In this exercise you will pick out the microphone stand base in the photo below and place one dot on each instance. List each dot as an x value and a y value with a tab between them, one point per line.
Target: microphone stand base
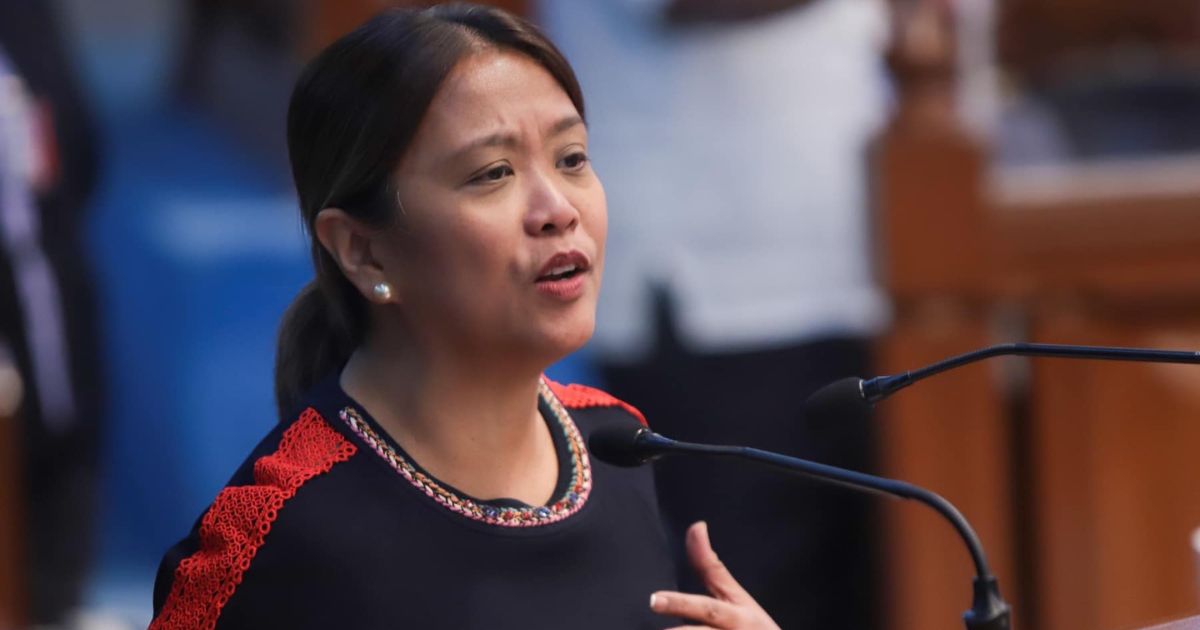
989	611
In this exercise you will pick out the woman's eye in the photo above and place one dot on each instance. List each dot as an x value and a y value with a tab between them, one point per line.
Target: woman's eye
574	161
494	174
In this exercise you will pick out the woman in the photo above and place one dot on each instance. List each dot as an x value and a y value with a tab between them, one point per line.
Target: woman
426	475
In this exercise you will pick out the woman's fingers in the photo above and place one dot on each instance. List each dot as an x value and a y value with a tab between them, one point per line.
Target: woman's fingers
730	607
716	577
710	611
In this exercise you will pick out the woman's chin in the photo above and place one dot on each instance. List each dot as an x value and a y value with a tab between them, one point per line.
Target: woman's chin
563	340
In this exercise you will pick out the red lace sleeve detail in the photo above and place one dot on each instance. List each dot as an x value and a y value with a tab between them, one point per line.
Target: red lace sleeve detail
581	396
240	519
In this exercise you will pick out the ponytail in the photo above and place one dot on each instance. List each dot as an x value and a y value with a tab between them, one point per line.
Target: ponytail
313	342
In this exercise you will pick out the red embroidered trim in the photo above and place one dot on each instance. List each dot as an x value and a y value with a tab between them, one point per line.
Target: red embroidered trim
240	519
581	396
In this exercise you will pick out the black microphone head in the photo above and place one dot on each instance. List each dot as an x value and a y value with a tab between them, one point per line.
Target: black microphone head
619	445
841	399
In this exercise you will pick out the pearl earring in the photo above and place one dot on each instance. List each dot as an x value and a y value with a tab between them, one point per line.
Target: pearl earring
383	291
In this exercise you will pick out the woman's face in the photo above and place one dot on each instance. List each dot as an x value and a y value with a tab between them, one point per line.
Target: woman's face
499	245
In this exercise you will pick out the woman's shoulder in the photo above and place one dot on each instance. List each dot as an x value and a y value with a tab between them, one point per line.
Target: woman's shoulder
576	398
199	574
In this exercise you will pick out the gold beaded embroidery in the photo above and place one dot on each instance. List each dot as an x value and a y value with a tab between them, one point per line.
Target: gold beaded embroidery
570	502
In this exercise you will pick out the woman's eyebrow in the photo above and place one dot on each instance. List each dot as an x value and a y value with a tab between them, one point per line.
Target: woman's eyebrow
566	122
498	139
509	139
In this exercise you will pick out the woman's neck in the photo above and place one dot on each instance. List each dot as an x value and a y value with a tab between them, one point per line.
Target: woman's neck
476	429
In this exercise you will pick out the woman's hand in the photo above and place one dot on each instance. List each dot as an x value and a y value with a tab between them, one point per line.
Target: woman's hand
729	608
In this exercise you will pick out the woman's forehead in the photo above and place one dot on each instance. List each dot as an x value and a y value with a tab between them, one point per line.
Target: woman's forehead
497	88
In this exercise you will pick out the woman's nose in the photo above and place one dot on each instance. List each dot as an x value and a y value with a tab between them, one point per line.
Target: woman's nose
550	212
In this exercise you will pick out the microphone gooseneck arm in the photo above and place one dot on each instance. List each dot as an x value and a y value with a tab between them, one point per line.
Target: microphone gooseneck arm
880	387
861	482
988	612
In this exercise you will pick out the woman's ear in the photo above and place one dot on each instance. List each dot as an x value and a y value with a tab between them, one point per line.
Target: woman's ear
349	242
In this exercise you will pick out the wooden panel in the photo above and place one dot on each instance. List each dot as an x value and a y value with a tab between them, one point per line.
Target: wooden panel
949	435
1116	452
1191	623
1112	207
12	592
1125	231
1035	34
1109	253
937	261
932	227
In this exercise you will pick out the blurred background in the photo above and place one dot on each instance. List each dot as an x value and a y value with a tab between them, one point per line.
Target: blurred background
983	171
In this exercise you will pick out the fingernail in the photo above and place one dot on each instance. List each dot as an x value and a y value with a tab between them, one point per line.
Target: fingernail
654	600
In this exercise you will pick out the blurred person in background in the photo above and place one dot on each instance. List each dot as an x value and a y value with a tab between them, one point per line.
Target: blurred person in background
440	159
733	136
48	168
237	64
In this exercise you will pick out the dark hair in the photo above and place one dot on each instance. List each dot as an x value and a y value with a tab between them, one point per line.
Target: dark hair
353	114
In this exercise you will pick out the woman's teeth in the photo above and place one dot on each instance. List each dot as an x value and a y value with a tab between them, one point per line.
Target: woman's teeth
559	273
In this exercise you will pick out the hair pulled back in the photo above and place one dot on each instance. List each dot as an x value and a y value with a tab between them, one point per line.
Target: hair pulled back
353	113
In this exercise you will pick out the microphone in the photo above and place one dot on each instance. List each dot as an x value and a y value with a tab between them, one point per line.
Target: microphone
853	394
630	446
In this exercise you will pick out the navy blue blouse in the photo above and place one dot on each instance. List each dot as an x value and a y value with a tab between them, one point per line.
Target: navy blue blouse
329	524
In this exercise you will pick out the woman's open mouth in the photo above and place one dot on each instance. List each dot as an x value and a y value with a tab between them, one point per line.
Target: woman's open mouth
562	276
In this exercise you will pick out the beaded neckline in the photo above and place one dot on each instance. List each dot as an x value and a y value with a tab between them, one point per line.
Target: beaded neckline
571	500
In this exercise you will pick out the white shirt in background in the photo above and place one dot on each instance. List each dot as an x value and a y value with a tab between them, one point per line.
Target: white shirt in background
734	158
